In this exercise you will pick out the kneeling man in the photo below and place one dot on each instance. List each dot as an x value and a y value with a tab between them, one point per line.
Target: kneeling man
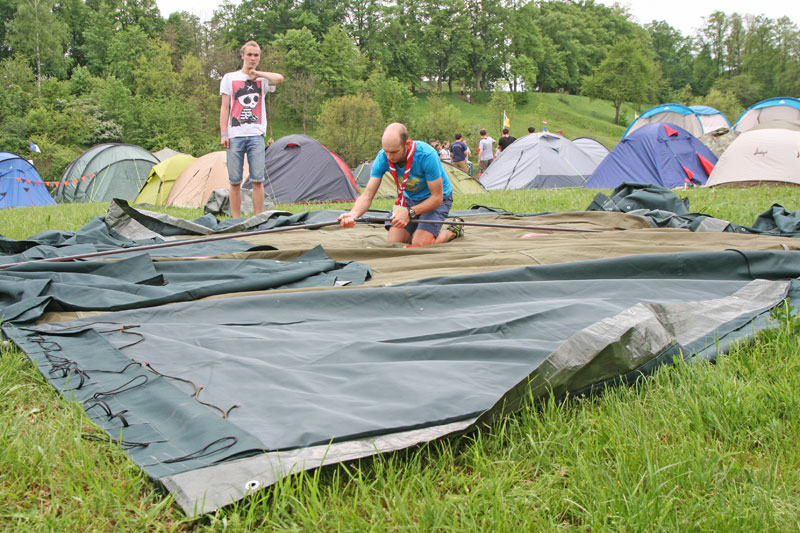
424	190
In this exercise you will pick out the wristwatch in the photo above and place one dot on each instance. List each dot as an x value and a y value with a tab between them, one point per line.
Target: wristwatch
412	213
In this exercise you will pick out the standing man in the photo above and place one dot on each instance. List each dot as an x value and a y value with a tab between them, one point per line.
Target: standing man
243	124
505	140
485	154
424	190
460	153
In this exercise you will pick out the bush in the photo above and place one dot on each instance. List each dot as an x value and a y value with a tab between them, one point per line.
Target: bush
351	126
441	122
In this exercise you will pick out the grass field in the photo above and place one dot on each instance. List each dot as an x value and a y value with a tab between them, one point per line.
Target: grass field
700	447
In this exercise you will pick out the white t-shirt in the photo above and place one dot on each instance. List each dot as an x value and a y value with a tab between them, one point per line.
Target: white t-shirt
248	115
486	148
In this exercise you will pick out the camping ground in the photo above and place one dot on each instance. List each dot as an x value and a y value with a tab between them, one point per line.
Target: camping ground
700	446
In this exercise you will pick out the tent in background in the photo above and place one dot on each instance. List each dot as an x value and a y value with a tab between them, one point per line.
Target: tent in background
166	153
781	108
760	156
202	176
539	161
719	140
161	179
594	148
20	184
300	169
659	154
462	182
104	172
696	119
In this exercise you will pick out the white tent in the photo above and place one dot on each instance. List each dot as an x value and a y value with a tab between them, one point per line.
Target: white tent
756	156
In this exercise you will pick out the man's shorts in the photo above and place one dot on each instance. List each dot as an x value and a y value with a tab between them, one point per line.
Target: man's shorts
255	149
440	213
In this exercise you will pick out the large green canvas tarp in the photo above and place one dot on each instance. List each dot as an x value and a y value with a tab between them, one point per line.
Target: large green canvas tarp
437	340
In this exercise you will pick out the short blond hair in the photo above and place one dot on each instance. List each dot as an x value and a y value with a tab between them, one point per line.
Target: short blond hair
249	43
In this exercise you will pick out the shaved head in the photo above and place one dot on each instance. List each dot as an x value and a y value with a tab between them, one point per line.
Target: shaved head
395	142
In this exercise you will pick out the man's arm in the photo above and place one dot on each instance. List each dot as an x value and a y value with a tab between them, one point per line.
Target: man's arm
224	114
272	77
362	203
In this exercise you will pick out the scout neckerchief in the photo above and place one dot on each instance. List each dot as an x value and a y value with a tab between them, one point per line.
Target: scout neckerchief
401	197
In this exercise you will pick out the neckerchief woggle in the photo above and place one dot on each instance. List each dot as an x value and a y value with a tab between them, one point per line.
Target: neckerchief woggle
401	197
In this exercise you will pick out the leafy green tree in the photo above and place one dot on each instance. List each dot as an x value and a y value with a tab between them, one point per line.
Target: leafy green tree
341	66
17	78
126	48
362	20
302	50
402	27
352	126
300	97
673	51
761	56
485	19
36	33
442	121
625	75
7	10
501	101
392	96
185	35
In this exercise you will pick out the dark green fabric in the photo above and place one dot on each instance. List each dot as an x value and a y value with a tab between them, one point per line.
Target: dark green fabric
29	290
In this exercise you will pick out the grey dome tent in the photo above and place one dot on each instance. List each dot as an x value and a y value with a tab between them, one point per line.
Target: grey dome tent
539	161
104	172
594	148
300	169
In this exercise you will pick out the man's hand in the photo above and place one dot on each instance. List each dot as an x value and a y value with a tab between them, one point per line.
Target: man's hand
347	220
224	141
400	218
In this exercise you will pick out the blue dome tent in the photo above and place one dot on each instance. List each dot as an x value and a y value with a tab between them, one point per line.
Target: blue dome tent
659	154
20	184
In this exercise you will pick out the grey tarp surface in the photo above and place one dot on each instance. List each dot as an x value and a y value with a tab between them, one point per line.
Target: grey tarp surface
296	379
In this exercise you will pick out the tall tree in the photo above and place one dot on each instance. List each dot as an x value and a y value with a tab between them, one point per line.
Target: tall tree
342	66
625	75
36	33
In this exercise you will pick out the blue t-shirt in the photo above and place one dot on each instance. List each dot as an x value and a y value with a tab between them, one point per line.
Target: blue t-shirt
458	149
426	166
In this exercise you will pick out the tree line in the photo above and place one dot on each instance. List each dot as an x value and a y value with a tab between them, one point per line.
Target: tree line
82	72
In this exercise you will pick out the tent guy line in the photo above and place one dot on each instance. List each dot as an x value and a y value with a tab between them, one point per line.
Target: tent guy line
317	225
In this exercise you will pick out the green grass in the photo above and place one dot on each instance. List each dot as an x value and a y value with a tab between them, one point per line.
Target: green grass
699	447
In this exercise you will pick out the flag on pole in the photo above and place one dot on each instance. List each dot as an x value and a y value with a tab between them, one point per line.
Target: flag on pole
544	125
506	120
33	147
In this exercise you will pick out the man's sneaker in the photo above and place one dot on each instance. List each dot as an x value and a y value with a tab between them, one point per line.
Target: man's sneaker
458	229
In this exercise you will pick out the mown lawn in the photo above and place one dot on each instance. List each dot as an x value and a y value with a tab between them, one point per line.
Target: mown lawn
698	447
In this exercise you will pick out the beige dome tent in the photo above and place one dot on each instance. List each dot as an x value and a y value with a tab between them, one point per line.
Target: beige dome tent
759	156
195	184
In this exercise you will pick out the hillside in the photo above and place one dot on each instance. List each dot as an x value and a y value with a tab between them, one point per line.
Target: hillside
576	116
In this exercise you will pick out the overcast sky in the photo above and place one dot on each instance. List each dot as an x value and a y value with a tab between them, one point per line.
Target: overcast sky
684	15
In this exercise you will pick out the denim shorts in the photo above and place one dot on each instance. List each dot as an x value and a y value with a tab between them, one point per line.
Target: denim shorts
255	149
440	213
